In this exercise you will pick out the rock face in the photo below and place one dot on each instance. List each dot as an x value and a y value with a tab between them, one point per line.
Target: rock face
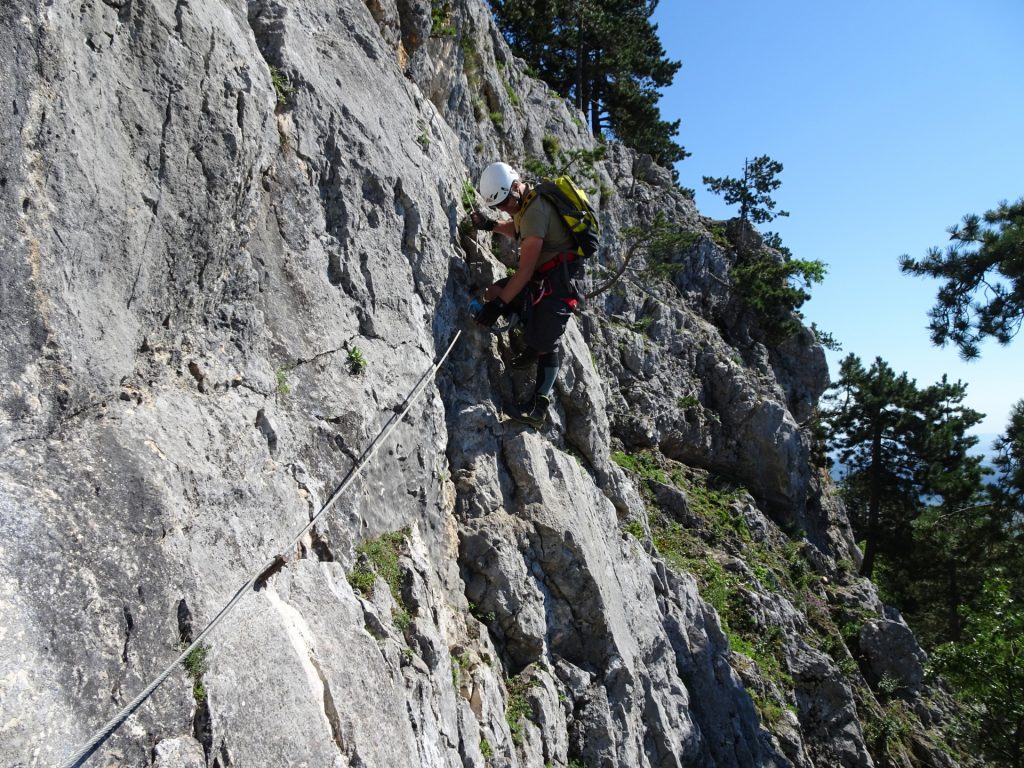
231	247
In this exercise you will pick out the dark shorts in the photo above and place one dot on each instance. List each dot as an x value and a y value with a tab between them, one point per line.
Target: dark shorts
546	304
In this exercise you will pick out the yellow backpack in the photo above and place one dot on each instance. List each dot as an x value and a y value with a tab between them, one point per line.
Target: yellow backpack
574	207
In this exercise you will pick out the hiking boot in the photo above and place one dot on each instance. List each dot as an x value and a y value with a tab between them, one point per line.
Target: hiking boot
532	411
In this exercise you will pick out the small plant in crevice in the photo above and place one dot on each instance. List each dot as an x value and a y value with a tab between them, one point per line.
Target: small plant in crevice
513	97
888	729
552	146
719	236
686	402
196	666
472	67
282	85
423	138
486	749
479	106
642	325
379	557
635	529
888	687
769	710
357	362
518	707
468	196
441	19
402	619
484	617
281	377
461	663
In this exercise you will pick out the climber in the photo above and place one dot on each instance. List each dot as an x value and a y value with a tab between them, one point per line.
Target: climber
546	286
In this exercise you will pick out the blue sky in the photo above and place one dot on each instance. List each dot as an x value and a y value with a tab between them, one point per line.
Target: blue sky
892	120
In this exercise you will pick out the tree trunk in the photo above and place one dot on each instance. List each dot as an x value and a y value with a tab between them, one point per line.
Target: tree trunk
594	93
745	201
874	503
953	602
581	53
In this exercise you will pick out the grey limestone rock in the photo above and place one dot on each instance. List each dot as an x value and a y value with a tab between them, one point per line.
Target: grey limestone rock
182	752
890	651
231	248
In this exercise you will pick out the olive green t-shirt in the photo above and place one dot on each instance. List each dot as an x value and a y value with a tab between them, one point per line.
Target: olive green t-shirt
540	219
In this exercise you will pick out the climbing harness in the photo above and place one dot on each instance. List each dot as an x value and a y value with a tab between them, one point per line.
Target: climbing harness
566	257
85	752
540	290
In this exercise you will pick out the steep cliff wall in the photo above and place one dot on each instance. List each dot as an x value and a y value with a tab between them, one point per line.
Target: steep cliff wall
231	246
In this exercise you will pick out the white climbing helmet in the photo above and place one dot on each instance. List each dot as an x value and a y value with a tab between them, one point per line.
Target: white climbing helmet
496	183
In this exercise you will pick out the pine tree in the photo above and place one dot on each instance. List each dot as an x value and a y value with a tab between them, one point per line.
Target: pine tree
606	56
753	191
916	493
983	269
1007	499
942	564
775	288
1009	462
872	422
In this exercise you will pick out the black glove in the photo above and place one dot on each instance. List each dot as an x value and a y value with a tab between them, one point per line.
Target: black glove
489	315
481	220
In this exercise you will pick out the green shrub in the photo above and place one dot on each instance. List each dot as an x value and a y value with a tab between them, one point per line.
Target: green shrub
636	529
468	196
643	325
441	19
356	361
887	730
517	707
281	376
581	164
282	86
774	290
380	557
196	666
643	464
513	97
552	146
769	710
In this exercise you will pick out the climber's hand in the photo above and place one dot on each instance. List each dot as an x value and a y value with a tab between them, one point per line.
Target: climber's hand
489	315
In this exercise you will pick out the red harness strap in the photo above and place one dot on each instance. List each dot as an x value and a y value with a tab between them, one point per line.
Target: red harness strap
562	258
